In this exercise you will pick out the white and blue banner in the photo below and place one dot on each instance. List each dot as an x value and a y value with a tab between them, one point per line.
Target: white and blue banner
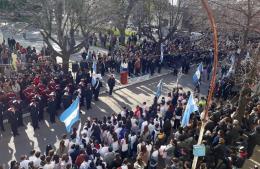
162	51
190	108
197	75
159	89
94	67
71	115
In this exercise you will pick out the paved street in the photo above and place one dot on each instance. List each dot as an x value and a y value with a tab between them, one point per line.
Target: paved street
12	148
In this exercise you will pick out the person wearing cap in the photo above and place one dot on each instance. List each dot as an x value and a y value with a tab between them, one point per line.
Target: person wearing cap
12	119
34	110
51	109
111	82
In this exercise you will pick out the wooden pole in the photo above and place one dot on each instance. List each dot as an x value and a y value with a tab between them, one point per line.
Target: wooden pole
213	77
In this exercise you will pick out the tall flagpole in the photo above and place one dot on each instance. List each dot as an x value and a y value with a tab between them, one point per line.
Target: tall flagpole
213	78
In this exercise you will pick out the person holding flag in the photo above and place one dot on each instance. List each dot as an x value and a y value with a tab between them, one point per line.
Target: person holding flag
197	77
159	89
94	67
191	107
71	115
162	52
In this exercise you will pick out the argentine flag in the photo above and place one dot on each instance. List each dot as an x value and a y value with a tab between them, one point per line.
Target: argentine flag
159	89
162	51
94	67
197	75
190	108
70	115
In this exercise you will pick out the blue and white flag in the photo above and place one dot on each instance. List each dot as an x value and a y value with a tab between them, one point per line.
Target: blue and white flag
94	67
230	70
159	89
70	115
162	51
190	108
197	75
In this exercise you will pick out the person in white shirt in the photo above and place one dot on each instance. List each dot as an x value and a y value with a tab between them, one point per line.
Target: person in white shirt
123	113
37	160
115	145
103	150
85	164
118	129
32	155
124	147
163	109
154	158
145	109
132	139
65	160
24	163
145	123
151	127
49	164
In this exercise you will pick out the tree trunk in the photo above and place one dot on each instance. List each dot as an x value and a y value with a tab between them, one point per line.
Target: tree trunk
65	63
242	103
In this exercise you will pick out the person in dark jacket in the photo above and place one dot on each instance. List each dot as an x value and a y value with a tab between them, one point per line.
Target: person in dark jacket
219	151
18	112
34	110
253	140
66	100
88	95
1	116
102	68
167	129
12	119
52	107
159	65
111	84
178	115
96	88
41	103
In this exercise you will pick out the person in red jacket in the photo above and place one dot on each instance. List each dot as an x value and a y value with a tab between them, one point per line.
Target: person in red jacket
137	112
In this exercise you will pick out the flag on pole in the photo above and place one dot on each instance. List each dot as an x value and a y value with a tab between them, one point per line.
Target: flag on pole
179	76
197	75
231	67
162	51
159	89
94	67
70	115
78	134
190	108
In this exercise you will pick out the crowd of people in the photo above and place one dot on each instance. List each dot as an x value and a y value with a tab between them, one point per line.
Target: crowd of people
151	136
148	136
